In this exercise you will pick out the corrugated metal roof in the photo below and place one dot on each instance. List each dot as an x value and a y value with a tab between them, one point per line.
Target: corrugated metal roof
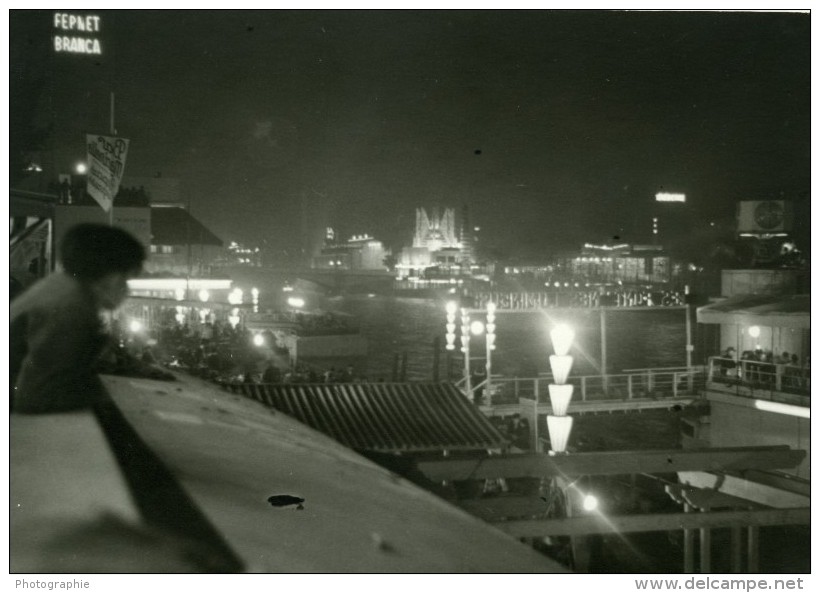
387	417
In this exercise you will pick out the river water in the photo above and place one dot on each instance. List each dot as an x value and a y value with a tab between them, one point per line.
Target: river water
403	326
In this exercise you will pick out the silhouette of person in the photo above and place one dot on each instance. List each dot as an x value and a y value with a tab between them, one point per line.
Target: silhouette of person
56	332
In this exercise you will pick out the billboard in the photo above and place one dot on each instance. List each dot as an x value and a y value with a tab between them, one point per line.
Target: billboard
764	217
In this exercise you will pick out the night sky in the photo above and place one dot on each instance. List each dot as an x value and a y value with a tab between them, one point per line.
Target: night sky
554	127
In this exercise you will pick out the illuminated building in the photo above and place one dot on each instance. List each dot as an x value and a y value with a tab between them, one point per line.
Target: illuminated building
438	247
360	252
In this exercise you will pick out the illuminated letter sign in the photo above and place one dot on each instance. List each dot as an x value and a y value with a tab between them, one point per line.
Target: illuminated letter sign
75	34
666	197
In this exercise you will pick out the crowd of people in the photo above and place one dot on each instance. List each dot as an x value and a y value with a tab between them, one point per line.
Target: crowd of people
761	368
222	353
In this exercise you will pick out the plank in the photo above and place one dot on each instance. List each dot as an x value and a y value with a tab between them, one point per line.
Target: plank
612	463
594	524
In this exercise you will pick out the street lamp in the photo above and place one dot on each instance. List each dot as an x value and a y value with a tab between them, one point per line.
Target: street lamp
559	423
490	327
465	348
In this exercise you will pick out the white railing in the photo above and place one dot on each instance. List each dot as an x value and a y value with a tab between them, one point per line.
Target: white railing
634	384
759	379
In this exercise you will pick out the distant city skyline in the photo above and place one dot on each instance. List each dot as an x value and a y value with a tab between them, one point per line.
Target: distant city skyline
553	127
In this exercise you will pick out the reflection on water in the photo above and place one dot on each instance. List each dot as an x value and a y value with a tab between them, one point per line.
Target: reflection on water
634	339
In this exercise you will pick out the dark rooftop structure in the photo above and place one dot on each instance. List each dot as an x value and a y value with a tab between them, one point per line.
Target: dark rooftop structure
384	417
174	225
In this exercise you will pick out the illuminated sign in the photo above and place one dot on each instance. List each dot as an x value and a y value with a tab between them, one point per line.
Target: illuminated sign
577	299
76	34
667	197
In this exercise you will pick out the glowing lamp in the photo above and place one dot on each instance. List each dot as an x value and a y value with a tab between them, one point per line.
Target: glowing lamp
754	331
590	503
560	366
236	296
81	168
560	396
296	302
451	308
559	428
204	295
562	336
258	340
135	326
179	294
476	328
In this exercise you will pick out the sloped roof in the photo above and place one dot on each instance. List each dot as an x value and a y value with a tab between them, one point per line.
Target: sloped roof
760	309
171	225
28	203
385	417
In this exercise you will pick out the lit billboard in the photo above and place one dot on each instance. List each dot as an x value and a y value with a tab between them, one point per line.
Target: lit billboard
77	34
669	197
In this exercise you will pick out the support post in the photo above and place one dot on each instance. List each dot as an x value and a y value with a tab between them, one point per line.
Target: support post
753	549
705	548
113	131
689	346
736	543
688	545
603	351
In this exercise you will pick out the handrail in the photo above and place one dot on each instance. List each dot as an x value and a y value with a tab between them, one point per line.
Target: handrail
652	369
621	386
754	378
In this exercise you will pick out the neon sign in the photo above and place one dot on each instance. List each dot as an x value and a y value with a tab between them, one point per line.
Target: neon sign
669	197
67	39
578	299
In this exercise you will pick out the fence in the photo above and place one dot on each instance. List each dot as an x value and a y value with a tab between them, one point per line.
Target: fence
632	384
762	380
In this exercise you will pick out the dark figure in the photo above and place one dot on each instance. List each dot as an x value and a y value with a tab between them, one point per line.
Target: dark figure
728	366
56	332
148	356
272	374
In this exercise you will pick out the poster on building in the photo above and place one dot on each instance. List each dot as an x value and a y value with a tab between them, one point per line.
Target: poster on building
106	164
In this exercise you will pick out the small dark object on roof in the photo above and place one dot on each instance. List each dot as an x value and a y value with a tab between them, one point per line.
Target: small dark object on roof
285	500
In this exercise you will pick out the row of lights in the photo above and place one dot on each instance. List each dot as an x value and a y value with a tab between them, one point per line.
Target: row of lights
559	423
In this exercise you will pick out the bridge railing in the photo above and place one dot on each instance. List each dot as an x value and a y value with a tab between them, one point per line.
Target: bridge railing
634	384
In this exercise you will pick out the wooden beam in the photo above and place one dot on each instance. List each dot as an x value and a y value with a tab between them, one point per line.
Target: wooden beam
591	524
539	465
773	495
498	508
708	498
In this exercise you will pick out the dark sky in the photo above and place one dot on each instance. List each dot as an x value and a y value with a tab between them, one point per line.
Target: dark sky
579	116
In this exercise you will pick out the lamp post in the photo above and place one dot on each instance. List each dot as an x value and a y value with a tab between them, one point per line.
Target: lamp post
559	423
465	348
490	327
467	329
